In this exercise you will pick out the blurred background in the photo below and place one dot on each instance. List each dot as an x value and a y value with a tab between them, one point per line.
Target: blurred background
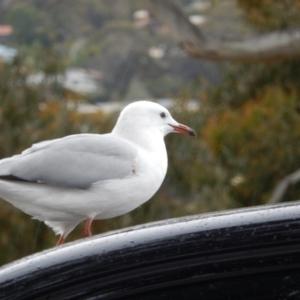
70	66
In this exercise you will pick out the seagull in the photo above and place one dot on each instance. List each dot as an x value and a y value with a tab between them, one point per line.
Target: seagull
84	177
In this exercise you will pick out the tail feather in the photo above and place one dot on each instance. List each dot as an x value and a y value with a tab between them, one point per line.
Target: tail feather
61	228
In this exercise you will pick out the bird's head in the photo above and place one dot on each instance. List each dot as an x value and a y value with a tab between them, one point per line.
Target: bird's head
146	116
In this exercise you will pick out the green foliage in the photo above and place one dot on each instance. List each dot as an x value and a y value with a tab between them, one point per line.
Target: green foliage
253	125
27	22
19	107
121	64
193	179
270	15
45	22
258	143
245	81
29	113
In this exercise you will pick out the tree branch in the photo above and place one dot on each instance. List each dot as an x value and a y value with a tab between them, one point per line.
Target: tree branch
259	47
282	187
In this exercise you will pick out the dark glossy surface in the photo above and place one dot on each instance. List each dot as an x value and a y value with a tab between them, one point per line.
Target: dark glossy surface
155	261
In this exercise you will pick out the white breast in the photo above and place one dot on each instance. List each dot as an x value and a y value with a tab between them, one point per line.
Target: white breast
117	197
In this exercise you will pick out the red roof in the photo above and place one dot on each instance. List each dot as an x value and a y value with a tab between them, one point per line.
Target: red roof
6	30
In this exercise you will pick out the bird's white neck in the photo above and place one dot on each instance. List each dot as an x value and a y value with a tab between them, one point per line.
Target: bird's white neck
153	147
149	140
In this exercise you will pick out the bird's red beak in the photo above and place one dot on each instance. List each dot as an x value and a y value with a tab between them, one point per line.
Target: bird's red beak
183	129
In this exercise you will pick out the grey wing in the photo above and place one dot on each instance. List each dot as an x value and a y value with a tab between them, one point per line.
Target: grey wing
75	161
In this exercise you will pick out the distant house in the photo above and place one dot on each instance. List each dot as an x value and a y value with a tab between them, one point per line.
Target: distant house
7	53
197	19
5	32
141	18
200	5
82	81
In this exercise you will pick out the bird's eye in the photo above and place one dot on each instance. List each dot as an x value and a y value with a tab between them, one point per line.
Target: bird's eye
163	115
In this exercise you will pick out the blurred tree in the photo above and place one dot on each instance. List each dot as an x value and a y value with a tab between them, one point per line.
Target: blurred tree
253	127
262	149
268	15
29	25
268	46
45	22
122	57
29	113
19	107
92	35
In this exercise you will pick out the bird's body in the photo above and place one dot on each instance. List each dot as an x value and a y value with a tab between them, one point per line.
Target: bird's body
91	176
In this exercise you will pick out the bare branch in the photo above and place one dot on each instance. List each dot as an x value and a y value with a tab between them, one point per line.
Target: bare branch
282	187
260	47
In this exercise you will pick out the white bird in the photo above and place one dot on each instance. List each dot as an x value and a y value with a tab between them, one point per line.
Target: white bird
83	177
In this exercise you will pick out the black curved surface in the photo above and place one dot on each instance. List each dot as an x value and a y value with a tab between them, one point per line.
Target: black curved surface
159	256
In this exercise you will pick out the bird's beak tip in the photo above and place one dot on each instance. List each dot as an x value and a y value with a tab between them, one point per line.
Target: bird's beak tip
183	129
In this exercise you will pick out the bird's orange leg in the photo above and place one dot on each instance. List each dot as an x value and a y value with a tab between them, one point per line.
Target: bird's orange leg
60	241
87	228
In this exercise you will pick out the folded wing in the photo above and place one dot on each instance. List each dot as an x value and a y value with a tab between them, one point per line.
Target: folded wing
76	161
